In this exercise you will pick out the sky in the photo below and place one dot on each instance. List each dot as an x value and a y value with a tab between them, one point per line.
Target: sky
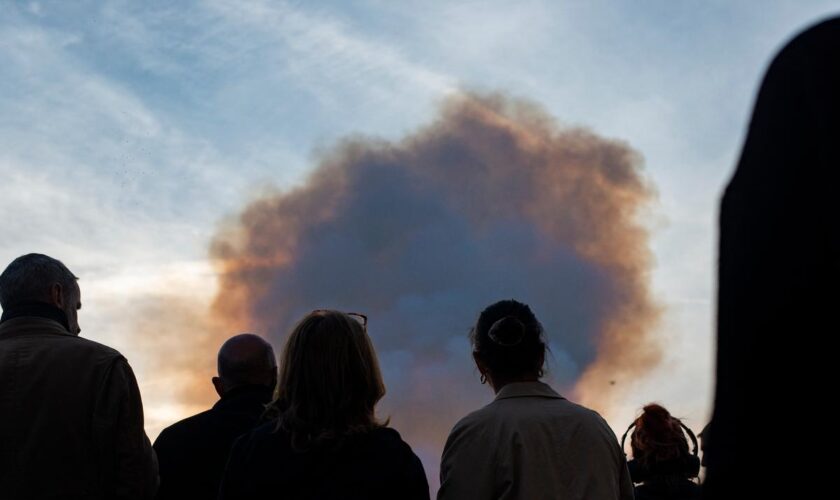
131	131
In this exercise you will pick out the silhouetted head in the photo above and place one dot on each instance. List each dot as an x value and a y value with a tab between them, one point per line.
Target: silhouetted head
245	359
658	438
329	379
508	343
38	279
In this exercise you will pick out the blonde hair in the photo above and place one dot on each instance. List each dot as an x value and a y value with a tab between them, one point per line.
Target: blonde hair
329	380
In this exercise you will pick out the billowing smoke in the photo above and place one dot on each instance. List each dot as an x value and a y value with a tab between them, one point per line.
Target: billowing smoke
494	200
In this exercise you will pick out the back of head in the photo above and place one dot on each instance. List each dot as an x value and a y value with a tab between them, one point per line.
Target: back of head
658	438
329	380
29	278
247	359
509	340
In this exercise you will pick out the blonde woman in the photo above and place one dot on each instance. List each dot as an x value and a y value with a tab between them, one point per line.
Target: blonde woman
324	441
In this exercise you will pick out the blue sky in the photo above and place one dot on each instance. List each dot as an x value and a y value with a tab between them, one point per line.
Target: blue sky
131	130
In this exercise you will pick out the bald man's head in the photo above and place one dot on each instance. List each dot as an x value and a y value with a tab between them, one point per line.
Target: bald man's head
245	359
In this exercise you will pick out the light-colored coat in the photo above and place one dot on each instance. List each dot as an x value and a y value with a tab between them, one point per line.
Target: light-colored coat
530	443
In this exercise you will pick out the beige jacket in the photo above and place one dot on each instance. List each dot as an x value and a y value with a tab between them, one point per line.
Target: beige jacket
532	444
71	418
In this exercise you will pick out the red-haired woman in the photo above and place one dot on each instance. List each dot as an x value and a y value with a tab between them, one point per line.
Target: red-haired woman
663	467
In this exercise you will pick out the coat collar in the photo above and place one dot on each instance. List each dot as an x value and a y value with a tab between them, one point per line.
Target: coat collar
244	397
26	325
35	310
527	389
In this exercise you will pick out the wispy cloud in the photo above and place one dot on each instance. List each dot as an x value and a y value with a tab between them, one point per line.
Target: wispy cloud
323	51
95	175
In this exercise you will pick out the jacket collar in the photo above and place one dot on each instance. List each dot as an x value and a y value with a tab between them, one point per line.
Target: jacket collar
31	325
244	398
35	310
527	389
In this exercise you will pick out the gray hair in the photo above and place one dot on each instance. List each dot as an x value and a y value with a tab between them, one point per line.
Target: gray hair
29	278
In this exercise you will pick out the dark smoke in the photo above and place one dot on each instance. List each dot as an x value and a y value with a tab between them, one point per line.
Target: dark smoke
494	200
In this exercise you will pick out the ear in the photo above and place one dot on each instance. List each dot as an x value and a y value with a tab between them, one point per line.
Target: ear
541	364
219	386
57	295
482	367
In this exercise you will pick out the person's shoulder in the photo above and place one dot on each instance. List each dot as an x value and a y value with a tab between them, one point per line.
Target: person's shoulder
184	427
488	412
52	335
587	418
574	417
97	348
388	441
393	449
93	352
477	421
387	436
583	412
262	433
511	411
265	442
684	490
264	430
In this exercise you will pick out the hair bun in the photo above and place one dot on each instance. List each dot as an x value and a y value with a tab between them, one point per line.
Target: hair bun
508	331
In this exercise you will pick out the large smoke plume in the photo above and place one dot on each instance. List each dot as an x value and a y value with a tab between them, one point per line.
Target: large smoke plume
493	200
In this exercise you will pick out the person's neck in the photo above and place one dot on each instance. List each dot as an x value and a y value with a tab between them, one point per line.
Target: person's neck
500	384
246	388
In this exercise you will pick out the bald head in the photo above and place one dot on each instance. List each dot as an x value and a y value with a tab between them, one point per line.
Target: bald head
247	359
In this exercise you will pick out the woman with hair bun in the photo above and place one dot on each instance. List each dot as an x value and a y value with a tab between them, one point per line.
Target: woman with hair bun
530	442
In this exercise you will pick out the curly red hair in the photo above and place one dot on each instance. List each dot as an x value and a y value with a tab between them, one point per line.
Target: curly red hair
658	436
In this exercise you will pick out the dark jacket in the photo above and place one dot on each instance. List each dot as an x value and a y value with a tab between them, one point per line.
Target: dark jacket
370	466
193	452
71	418
668	488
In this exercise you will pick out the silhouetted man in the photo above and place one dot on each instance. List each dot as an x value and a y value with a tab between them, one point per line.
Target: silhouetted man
194	451
71	419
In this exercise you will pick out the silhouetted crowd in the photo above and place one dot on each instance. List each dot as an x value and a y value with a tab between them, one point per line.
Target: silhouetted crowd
74	419
71	417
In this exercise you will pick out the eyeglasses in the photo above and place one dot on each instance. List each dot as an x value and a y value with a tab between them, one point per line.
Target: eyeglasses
361	318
